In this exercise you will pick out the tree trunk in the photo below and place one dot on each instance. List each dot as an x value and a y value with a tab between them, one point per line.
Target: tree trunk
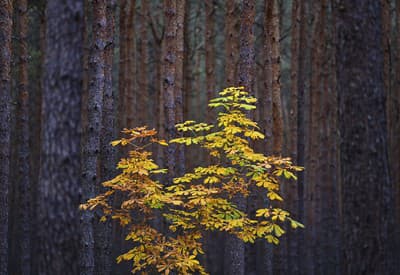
169	82
291	188
234	247
5	98
180	49
143	95
130	66
231	41
60	157
23	137
122	105
367	197
210	55
103	261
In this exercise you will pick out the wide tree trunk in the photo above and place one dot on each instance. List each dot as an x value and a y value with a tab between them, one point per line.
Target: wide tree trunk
367	192
5	101
60	158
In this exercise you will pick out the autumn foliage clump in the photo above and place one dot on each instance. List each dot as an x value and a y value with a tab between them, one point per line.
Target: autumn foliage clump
201	200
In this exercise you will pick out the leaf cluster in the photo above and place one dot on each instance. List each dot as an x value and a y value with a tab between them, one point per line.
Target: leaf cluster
203	199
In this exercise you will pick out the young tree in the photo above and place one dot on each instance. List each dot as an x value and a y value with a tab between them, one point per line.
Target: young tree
60	157
5	98
362	125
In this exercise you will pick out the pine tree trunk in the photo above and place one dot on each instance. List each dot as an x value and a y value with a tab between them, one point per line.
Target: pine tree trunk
122	104
179	79
130	66
291	188
103	231
234	247
210	55
230	43
60	158
169	82
5	98
23	151
143	96
367	197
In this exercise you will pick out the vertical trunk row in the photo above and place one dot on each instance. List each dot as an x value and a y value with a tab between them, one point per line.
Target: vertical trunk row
103	232
291	188
5	97
180	48
362	124
91	146
169	82
23	151
59	232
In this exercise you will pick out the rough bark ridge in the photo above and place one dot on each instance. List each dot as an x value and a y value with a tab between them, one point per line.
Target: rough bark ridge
23	137
5	97
103	231
60	157
234	248
169	82
367	197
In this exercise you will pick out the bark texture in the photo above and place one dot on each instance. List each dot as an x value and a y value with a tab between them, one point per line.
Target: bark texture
234	248
60	158
5	98
103	231
367	197
23	137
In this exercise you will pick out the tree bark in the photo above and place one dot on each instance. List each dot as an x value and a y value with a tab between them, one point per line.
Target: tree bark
231	42
5	98
23	137
103	232
143	96
367	197
234	247
60	158
169	83
210	55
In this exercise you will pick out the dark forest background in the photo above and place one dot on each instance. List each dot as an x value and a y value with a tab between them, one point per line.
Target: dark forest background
73	73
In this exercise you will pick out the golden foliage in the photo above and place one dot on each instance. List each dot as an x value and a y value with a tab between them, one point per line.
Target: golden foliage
201	200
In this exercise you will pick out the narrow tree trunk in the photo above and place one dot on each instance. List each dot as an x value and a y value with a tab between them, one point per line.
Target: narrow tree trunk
291	188
169	82
143	95
179	79
60	158
103	261
122	104
362	125
23	151
230	43
234	248
130	66
210	55
5	98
